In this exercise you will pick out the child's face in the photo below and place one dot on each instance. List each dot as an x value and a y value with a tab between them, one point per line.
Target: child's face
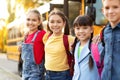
56	24
32	21
83	33
111	10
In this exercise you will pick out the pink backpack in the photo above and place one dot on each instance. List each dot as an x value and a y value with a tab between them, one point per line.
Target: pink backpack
96	56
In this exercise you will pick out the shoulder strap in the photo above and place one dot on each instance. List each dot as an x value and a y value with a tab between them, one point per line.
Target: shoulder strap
95	52
102	36
66	43
35	36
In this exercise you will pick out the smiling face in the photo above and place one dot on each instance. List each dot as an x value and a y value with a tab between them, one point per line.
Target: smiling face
83	33
111	10
33	21
56	24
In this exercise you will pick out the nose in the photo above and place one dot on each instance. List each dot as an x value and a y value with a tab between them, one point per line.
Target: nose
55	24
80	30
110	10
30	21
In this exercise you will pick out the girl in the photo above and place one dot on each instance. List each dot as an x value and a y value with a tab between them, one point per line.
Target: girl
33	48
85	67
56	62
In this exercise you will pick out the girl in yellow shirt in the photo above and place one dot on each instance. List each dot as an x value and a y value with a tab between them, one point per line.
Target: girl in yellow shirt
56	62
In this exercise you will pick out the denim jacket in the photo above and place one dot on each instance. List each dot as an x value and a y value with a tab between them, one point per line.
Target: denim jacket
111	70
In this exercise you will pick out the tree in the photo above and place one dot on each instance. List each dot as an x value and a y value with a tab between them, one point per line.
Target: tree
11	12
31	3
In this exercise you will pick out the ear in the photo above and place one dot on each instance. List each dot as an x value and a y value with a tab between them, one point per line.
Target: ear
40	22
102	10
64	24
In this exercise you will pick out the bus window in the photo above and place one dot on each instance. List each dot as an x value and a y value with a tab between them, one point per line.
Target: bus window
74	10
100	19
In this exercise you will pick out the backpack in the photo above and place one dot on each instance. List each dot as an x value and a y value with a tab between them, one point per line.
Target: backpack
102	36
100	64
70	56
96	56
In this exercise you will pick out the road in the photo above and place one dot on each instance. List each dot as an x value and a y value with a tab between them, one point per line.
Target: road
8	69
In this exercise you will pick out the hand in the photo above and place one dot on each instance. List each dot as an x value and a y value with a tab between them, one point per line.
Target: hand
96	39
19	49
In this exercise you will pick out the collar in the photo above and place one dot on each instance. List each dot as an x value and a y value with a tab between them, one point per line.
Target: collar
85	51
118	25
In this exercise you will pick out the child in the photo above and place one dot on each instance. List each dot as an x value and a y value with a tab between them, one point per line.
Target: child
111	70
85	67
56	62
33	48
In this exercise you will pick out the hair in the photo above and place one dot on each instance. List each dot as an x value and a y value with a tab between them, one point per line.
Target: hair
104	0
64	18
40	27
83	21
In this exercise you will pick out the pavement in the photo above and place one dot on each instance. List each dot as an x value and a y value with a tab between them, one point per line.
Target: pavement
7	74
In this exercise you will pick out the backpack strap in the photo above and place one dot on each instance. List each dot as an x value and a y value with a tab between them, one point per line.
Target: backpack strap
66	43
102	36
70	56
95	52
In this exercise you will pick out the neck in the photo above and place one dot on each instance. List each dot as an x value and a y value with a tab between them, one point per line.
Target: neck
54	34
113	25
30	32
82	43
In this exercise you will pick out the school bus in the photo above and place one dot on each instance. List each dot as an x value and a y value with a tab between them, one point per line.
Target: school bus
3	36
71	8
15	36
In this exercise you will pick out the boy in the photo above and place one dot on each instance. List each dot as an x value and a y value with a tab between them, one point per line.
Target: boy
111	70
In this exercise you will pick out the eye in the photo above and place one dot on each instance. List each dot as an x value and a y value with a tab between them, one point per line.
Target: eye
51	21
106	8
58	21
76	27
34	20
115	7
85	27
28	19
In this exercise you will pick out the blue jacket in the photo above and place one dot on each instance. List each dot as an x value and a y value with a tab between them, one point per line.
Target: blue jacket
111	70
81	67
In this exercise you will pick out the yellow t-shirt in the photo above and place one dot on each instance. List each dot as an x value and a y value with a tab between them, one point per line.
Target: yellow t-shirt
55	54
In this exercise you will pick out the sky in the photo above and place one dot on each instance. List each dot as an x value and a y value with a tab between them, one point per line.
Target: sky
3	9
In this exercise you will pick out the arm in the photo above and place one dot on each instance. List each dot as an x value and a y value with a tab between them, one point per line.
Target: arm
101	51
